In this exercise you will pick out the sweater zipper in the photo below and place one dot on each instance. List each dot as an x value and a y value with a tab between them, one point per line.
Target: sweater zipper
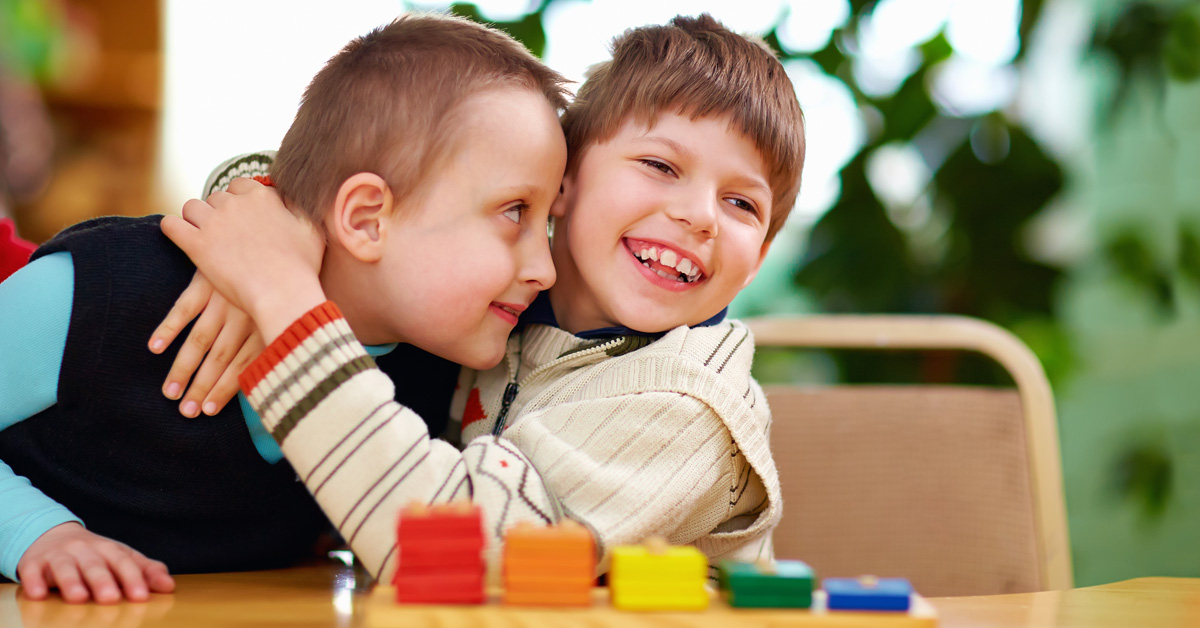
510	391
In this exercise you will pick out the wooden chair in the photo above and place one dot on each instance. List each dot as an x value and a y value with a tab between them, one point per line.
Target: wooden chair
958	488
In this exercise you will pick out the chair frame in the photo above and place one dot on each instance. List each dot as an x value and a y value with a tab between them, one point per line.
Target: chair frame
934	332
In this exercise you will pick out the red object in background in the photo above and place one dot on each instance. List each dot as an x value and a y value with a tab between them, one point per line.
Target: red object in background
14	252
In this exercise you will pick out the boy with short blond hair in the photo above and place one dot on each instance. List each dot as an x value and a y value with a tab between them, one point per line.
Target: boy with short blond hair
427	154
625	400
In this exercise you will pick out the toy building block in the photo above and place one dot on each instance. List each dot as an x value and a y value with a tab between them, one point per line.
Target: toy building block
549	566
767	584
440	552
868	593
658	577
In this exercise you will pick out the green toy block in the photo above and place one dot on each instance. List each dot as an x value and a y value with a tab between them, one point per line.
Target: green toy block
784	584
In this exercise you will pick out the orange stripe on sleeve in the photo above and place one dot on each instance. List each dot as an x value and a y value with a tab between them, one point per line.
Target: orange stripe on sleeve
292	337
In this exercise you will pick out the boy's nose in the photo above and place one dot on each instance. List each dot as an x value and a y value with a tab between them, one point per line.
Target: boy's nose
537	267
698	210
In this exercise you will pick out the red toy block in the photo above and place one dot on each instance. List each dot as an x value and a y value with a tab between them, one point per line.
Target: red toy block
440	553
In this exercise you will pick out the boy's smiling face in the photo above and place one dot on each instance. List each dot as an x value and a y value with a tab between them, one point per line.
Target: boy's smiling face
466	254
663	226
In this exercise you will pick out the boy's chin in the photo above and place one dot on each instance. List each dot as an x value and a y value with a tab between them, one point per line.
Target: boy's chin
662	323
480	359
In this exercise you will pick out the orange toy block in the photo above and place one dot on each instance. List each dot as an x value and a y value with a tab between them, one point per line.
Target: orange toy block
549	566
440	554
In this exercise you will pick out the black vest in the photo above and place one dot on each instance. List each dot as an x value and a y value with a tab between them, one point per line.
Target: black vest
193	493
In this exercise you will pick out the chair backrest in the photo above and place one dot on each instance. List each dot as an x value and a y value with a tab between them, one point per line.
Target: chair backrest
957	488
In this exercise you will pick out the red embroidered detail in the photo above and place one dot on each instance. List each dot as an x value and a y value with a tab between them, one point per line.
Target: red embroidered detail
264	179
504	463
474	410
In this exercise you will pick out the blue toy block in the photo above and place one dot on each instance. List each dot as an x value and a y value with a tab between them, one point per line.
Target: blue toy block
868	594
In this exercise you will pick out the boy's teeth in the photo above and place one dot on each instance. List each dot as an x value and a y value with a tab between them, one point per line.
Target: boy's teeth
686	270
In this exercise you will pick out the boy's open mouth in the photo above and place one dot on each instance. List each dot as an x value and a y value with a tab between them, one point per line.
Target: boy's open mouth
665	262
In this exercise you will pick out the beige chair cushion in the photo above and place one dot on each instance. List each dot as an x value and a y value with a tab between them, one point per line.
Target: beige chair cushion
930	483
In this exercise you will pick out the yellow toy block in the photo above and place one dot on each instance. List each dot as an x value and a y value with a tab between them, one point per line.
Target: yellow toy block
658	577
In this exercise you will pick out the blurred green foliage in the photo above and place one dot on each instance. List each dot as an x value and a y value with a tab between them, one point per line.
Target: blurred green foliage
31	33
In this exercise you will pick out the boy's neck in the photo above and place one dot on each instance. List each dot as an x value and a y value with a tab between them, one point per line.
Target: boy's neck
342	285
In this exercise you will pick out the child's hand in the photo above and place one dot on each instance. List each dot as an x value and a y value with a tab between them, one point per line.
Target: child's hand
222	343
86	566
258	255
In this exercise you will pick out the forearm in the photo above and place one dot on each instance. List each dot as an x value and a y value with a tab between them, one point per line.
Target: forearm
652	463
25	514
35	314
363	456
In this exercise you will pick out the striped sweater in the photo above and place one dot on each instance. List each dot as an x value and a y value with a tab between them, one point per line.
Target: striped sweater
628	438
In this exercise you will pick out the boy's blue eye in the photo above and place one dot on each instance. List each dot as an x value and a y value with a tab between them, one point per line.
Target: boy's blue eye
514	213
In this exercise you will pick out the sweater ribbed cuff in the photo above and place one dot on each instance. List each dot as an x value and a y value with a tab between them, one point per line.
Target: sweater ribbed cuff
309	360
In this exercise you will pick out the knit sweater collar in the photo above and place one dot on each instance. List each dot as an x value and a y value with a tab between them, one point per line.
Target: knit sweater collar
540	312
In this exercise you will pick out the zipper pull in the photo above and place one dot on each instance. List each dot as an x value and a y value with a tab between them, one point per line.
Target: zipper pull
510	393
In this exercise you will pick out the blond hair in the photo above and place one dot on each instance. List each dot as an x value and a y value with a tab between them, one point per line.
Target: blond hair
695	66
383	103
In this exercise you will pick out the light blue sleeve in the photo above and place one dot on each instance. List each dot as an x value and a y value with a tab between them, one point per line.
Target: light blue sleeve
35	314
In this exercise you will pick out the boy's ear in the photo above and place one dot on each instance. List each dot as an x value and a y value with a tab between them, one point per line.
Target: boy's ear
359	223
566	196
762	255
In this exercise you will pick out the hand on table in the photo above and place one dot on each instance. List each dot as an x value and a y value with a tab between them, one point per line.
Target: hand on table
85	566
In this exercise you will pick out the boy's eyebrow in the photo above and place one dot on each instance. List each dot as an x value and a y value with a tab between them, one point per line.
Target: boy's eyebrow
671	144
523	190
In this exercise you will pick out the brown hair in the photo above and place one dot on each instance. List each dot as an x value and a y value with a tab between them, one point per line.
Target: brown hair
697	67
383	103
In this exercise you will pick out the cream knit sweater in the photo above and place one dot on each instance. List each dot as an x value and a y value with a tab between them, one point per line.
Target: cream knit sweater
669	438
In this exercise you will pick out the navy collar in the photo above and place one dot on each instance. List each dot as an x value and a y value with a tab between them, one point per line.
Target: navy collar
540	312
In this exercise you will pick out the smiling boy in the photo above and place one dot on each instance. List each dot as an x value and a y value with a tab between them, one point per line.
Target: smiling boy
625	400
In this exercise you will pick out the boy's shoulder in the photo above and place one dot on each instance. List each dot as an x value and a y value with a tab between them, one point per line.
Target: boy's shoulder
726	348
107	232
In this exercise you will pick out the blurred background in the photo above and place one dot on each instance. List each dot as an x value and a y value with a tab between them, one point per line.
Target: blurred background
1035	164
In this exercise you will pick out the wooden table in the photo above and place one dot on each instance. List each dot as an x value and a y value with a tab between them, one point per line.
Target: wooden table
334	595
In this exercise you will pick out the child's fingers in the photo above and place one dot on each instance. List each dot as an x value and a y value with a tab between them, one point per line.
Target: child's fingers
127	571
155	572
243	185
63	572
200	339
234	333
189	304
32	575
196	211
98	577
226	387
181	232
